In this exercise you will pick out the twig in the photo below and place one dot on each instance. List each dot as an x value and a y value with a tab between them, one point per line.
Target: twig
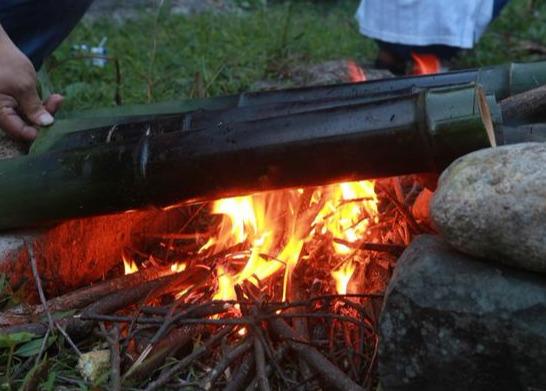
330	373
393	249
277	355
224	362
113	342
368	379
68	339
38	283
197	353
402	208
42	347
263	383
175	341
525	105
88	295
242	376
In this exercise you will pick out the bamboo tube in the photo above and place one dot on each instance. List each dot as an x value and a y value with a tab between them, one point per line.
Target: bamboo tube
501	81
421	132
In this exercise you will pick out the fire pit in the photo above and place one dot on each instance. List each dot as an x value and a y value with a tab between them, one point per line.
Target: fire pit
278	284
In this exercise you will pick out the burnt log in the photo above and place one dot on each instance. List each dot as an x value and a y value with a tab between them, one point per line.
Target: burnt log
452	322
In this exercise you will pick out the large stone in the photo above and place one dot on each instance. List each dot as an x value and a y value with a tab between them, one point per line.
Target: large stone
451	322
492	204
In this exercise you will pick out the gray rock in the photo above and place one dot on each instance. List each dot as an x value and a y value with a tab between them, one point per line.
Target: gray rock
492	204
451	322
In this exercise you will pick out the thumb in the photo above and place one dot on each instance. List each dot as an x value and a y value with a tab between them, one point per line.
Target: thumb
31	106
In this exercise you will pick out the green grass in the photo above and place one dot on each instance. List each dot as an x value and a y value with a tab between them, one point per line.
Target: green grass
173	56
164	56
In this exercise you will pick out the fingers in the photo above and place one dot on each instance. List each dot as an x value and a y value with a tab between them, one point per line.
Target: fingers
53	103
31	106
12	123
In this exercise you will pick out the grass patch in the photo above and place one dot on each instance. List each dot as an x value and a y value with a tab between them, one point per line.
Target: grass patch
173	56
164	56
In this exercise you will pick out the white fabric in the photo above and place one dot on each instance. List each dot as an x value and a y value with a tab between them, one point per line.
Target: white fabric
458	23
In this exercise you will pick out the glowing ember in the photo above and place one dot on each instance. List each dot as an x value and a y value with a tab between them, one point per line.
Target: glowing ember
178	267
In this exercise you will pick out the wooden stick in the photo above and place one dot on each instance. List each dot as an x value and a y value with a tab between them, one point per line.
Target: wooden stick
242	375
393	249
112	338
38	283
259	353
208	382
524	106
197	353
277	356
84	296
329	372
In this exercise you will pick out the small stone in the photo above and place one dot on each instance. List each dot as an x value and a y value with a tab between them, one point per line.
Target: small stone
94	364
492	204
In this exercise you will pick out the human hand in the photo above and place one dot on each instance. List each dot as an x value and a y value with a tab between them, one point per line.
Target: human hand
21	109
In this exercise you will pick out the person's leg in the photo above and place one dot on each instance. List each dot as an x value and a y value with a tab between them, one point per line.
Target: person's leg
498	5
37	27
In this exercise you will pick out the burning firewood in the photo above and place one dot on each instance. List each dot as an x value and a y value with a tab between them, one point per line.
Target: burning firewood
267	292
278	289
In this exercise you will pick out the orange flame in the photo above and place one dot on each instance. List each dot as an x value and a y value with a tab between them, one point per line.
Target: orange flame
425	64
356	73
273	224
129	265
348	211
225	286
343	275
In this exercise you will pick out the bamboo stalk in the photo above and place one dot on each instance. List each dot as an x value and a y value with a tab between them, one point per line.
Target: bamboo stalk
501	81
418	133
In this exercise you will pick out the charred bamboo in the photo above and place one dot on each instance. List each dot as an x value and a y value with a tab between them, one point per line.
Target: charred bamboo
203	119
422	132
525	133
501	80
119	123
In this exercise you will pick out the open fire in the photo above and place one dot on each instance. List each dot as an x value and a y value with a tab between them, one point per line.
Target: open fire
263	237
317	259
297	274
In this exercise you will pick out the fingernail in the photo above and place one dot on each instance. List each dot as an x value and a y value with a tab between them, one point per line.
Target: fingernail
45	119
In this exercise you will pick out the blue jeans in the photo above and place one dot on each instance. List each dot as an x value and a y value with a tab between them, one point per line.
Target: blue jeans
37	27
